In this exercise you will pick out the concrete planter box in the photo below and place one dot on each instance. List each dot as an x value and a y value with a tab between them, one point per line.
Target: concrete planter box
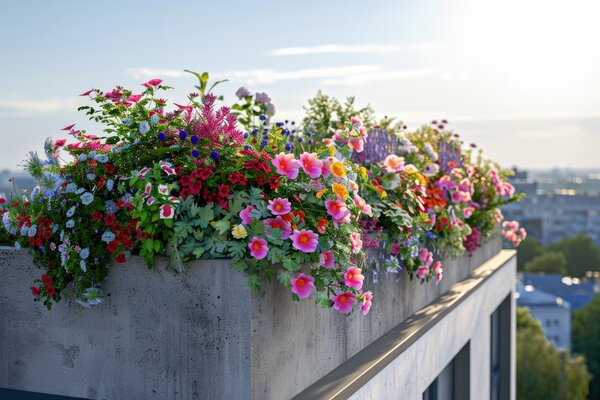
197	335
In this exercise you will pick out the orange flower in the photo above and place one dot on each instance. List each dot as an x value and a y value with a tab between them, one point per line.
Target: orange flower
340	190
338	169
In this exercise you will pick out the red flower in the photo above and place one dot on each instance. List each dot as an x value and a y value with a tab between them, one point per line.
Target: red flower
224	191
97	216
274	182
46	280
121	258
237	178
205	174
321	225
101	182
109	219
87	93
109	168
51	291
2	200
112	246
35	291
261	180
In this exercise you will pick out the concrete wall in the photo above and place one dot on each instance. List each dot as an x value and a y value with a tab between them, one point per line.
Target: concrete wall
409	374
196	335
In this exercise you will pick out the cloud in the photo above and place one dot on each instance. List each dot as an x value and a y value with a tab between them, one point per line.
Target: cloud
349	49
564	132
352	75
30	107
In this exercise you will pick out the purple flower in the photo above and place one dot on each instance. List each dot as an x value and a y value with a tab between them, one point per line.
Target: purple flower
195	153
214	155
182	135
194	139
162	137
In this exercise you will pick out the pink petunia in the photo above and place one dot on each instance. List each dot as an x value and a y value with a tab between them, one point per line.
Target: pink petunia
325	169
393	163
354	278
280	206
166	211
245	215
356	242
152	82
456	197
278	223
326	259
366	302
303	285
356	144
362	204
134	98
337	209
258	248
467	212
311	165
422	272
438	270
286	165
344	301
305	240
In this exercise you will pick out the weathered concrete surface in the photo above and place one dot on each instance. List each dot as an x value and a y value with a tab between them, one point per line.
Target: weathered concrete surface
197	335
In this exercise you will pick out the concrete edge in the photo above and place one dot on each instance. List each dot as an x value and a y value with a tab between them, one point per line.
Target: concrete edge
349	377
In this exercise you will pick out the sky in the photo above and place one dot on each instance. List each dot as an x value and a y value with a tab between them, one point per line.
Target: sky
519	78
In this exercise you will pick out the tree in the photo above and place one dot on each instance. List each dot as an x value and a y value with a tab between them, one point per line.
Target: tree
551	262
586	331
543	372
581	253
529	249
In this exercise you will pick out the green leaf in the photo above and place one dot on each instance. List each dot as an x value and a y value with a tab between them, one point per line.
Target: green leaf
206	215
221	226
291	265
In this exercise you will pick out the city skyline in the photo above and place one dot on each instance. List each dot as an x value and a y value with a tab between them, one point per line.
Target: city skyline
520	84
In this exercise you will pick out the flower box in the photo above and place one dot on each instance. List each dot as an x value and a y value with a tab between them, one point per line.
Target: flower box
202	334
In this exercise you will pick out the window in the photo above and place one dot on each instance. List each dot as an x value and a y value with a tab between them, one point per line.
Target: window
500	351
453	382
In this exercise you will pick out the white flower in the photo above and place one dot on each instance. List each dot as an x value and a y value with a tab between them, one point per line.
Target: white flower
263	98
239	232
243	92
270	109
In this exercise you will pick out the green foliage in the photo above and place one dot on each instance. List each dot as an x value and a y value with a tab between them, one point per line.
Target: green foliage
529	249
543	372
550	262
586	331
581	253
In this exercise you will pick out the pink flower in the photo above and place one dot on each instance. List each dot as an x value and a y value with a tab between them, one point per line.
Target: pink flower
422	271
356	242
456	197
325	170
245	215
134	98
326	259
150	201
393	163
357	144
143	172
286	165
437	269
166	211
395	249
280	206
163	189
305	240
303	285
337	209
311	164
354	278
467	212
278	223
258	248
366	302
423	253
152	82
362	204
344	301
168	169
355	120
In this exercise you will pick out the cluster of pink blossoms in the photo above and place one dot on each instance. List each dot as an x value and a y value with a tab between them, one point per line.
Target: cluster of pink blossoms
427	268
513	233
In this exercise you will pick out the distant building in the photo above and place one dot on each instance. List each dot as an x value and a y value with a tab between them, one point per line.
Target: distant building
550	215
553	312
576	292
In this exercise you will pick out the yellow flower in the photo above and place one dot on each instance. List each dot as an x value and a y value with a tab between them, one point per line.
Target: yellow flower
239	231
321	192
331	150
338	169
340	190
383	194
363	173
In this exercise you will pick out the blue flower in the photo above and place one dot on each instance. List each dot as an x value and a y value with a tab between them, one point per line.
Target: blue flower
84	253
70	224
126	121
87	198
17	246
79	191
194	139
289	146
83	266
182	135
32	230
81	158
195	153
55	228
162	136
35	192
71	212
71	187
92	155
110	184
91	177
144	127
154	119
111	207
102	158
214	155
108	236
24	230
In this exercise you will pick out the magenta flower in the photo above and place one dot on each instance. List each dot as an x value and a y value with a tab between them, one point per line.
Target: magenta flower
356	242
366	302
258	248
337	209
325	168
278	223
286	165
354	278
437	269
422	271
326	259
166	211
280	206
344	301
311	164
423	253
303	285
456	197
356	144
305	240
245	215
